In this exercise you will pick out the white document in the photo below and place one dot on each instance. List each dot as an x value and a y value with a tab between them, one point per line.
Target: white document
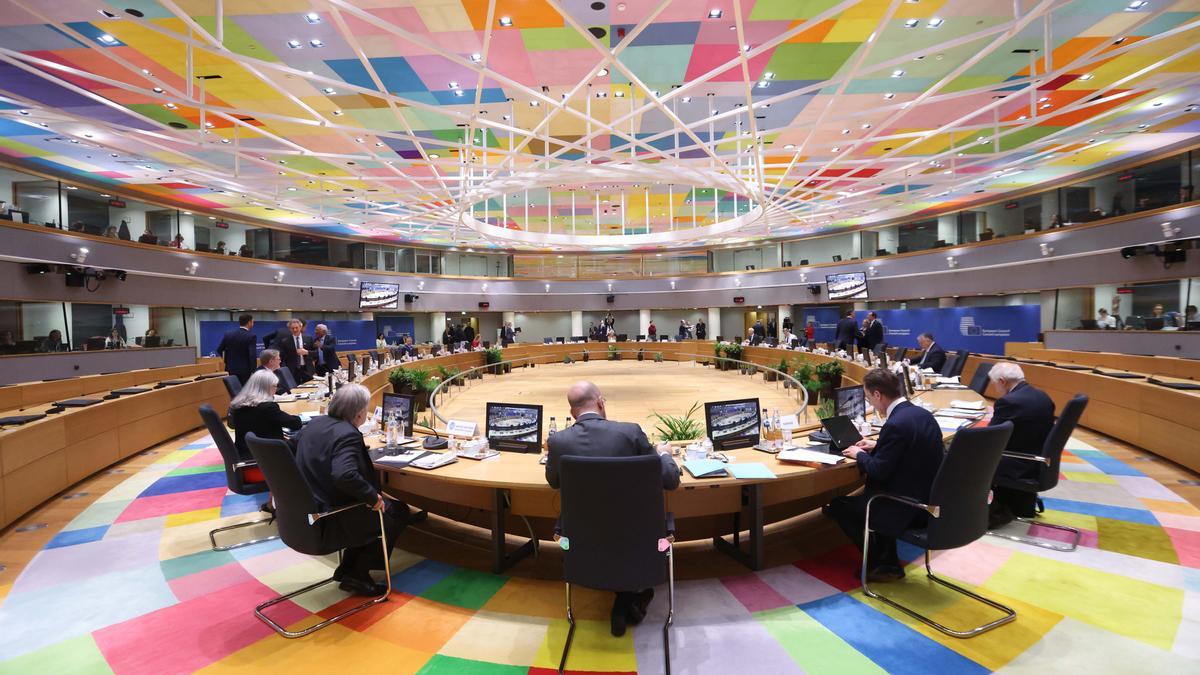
402	458
951	423
968	405
801	455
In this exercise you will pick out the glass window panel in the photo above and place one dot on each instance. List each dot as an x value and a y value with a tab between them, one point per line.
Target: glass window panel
31	327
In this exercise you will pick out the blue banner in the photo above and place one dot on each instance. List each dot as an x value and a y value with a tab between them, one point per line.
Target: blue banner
394	328
980	330
824	322
351	335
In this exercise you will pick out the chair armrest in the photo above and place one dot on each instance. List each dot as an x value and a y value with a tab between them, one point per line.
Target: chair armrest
314	517
1030	458
670	526
246	464
934	511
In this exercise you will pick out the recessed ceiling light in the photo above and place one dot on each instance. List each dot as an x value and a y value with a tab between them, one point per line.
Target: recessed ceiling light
619	94
1118	40
294	44
686	99
745	48
476	57
23	112
107	39
768	75
1156	104
912	23
1086	76
312	17
1143	126
935	22
506	21
337	113
458	92
208	125
224	140
845	131
602	72
601	94
505	118
329	90
889	96
358	140
107	14
158	90
714	13
1136	5
534	104
866	126
170	106
316	43
790	146
434	155
146	72
763	84
897	73
452	85
836	149
291	189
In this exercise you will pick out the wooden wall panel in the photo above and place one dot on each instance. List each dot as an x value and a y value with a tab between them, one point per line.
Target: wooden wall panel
26	444
34	483
91	455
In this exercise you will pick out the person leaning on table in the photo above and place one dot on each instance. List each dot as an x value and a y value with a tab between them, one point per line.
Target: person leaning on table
903	461
332	456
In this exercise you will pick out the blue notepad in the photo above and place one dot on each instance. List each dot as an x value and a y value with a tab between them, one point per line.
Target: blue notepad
705	468
750	470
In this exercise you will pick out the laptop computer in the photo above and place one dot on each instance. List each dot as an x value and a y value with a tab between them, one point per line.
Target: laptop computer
77	402
841	432
20	419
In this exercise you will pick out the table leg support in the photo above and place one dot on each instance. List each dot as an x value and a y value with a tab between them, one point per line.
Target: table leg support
754	557
501	558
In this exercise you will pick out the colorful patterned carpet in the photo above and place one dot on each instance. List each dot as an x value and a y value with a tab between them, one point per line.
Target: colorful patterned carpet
131	587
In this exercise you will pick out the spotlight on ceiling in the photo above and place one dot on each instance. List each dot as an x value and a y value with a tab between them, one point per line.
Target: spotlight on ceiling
1046	249
715	13
79	256
192	267
278	277
506	21
951	261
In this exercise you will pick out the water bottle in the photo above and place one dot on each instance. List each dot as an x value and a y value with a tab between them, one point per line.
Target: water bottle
553	428
777	427
766	426
390	430
568	424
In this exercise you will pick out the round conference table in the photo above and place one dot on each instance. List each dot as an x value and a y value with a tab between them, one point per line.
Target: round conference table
509	492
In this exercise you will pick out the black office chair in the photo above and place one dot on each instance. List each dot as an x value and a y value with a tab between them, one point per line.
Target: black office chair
948	366
285	374
375	356
616	545
979	381
958	515
960	363
235	468
1047	477
900	353
232	385
297	517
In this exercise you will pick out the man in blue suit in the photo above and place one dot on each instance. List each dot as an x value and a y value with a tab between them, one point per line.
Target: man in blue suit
903	462
934	356
326	356
239	349
1031	412
847	332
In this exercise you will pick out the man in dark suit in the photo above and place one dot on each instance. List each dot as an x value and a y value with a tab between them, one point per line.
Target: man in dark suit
903	461
507	334
269	360
757	333
1031	412
407	349
295	350
701	329
872	332
332	457
593	435
847	330
239	349
468	334
934	356
325	350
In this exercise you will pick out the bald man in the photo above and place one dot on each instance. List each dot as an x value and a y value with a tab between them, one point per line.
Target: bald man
593	435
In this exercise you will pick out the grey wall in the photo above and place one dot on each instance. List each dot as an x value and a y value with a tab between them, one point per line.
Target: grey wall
537	325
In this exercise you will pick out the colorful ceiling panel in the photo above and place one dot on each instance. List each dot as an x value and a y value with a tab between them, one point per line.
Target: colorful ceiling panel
503	123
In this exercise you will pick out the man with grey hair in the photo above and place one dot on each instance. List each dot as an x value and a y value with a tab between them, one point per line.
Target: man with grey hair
269	359
933	356
593	435
1031	412
333	459
294	348
325	350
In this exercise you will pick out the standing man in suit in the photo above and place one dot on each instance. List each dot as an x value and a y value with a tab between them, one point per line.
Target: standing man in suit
903	461
507	334
872	332
701	329
295	351
758	333
468	333
239	349
934	356
593	435
847	330
325	350
1031	412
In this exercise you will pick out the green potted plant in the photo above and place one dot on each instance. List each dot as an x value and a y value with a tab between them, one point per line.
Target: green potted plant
493	356
613	353
830	375
658	357
418	379
401	381
718	352
567	359
827	409
732	351
772	375
813	387
679	428
585	356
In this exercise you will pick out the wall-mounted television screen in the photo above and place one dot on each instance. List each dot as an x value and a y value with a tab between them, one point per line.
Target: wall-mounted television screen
848	286
378	296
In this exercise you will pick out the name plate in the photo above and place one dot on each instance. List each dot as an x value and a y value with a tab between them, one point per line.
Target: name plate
460	428
788	423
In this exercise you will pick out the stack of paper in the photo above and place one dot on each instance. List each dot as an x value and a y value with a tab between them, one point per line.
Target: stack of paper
968	405
950	423
801	455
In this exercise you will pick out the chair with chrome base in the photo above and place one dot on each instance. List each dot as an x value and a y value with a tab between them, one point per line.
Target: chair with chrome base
232	385
621	545
958	515
979	381
960	363
297	516
1047	477
239	476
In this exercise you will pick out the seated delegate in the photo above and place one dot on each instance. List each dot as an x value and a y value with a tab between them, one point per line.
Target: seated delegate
255	411
332	456
933	356
593	435
1031	412
903	461
270	360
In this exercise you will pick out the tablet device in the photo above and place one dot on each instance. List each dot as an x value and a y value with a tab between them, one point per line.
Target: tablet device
18	420
130	390
841	432
78	402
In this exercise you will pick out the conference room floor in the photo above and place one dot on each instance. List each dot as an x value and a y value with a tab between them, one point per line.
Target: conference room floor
119	577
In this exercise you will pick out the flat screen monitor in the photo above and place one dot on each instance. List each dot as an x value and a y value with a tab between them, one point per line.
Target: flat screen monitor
516	427
151	341
378	296
547	340
578	338
847	286
732	424
1155	323
402	405
850	401
905	383
1089	324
